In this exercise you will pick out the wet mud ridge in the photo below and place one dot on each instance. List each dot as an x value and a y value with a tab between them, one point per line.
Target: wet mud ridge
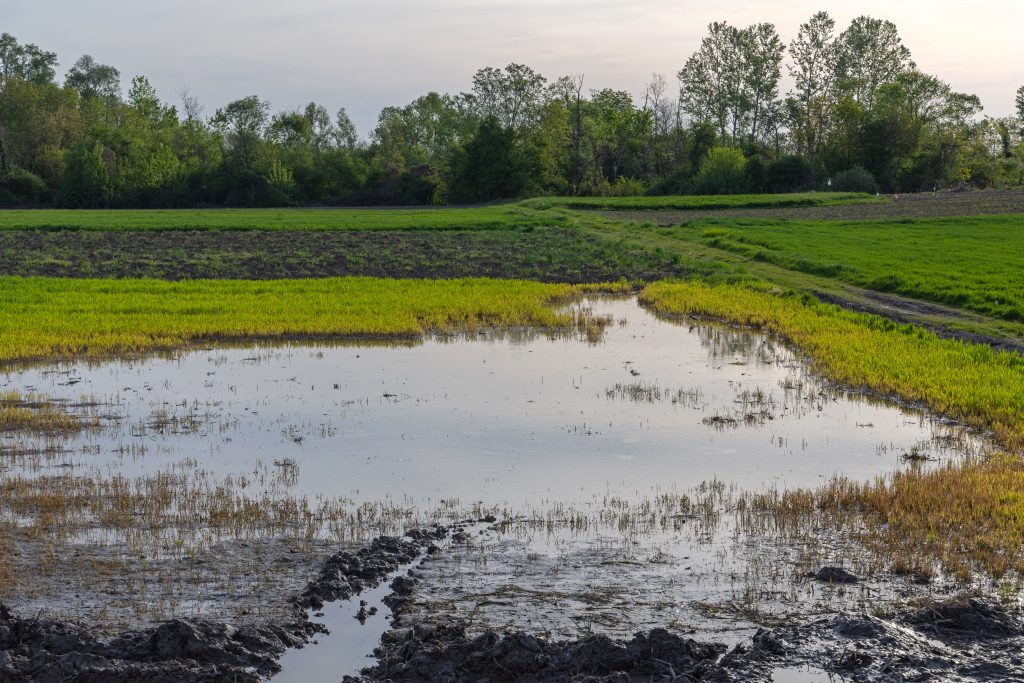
197	650
964	639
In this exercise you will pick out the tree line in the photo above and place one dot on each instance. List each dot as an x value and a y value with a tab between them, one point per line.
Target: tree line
860	116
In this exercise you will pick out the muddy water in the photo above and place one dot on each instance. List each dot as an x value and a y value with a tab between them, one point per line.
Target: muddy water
508	422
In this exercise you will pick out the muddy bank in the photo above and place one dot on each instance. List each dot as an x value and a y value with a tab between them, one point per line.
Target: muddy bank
965	639
201	649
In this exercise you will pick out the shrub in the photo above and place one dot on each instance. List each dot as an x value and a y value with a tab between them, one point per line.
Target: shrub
723	172
856	179
789	174
23	187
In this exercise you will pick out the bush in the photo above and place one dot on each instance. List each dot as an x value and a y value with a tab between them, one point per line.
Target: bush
629	187
723	172
856	179
23	187
757	175
789	174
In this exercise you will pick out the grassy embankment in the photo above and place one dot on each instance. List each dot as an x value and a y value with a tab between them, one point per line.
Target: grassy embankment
965	515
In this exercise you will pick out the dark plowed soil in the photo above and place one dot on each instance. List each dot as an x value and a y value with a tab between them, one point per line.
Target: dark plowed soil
925	205
548	255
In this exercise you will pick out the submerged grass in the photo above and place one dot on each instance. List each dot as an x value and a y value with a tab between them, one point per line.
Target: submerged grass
971	382
47	319
38	415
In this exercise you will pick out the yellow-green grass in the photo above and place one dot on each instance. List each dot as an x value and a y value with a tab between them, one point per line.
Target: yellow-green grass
971	382
48	319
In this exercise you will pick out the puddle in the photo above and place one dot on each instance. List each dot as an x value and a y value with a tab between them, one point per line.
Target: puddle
505	423
804	675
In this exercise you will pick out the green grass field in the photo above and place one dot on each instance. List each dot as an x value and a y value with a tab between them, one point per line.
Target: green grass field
975	263
495	217
475	218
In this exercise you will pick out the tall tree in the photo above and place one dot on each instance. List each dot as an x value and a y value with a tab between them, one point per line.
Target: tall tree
26	62
242	123
513	96
870	53
815	53
93	80
345	130
733	79
762	51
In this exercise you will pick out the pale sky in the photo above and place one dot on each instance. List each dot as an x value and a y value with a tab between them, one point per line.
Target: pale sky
365	55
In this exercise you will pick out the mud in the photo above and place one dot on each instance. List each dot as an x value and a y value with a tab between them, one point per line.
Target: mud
34	649
965	639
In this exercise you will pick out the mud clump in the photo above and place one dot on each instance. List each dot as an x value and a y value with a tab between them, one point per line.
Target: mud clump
968	618
345	573
428	652
835	575
188	651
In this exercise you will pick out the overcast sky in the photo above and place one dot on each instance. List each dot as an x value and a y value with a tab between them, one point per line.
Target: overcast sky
364	55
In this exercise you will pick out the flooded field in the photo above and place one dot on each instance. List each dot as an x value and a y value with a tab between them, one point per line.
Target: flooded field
619	472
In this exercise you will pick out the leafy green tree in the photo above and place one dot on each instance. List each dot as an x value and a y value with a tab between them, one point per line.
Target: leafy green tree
88	182
870	53
514	96
489	168
26	62
345	131
143	99
242	123
93	80
733	79
814	71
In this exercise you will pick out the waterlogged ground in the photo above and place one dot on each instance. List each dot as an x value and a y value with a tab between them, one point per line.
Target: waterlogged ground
617	471
509	421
